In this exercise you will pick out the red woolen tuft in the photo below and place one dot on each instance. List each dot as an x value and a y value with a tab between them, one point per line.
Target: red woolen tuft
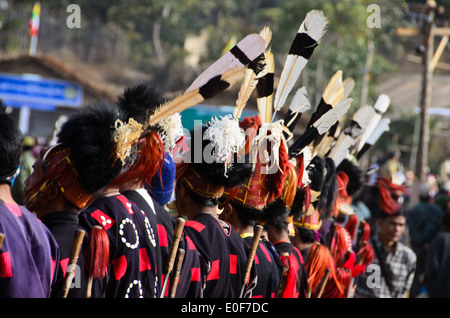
387	203
98	253
150	161
351	225
276	180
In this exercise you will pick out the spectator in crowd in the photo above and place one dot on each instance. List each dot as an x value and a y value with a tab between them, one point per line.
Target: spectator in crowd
437	266
390	167
423	222
26	168
392	272
29	252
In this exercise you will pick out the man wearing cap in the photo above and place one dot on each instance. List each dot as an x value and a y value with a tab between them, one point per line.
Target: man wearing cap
199	185
423	221
392	272
65	178
149	183
242	208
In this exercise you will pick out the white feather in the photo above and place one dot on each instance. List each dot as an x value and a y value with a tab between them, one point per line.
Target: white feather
300	103
334	91
314	25
342	148
382	126
252	45
263	104
382	103
349	85
324	123
363	116
293	66
247	87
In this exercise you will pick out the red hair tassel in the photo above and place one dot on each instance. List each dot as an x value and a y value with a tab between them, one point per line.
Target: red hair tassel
150	161
98	255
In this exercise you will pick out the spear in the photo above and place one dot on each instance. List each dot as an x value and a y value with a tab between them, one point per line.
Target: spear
178	230
250	257
73	259
176	274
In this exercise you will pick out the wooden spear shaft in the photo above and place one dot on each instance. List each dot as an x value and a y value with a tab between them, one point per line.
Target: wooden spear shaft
73	259
251	255
178	231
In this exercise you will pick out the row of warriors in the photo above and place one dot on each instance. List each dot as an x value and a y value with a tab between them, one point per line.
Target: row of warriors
258	213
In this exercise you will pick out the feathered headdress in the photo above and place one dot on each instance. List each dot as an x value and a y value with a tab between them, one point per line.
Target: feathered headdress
89	135
381	127
239	56
329	139
380	107
225	72
307	39
330	109
84	160
252	195
204	173
139	102
255	70
348	138
224	133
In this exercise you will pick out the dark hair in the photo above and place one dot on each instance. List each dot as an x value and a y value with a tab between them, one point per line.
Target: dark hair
316	173
297	204
322	173
247	215
330	189
11	140
201	200
307	236
355	176
401	212
275	214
